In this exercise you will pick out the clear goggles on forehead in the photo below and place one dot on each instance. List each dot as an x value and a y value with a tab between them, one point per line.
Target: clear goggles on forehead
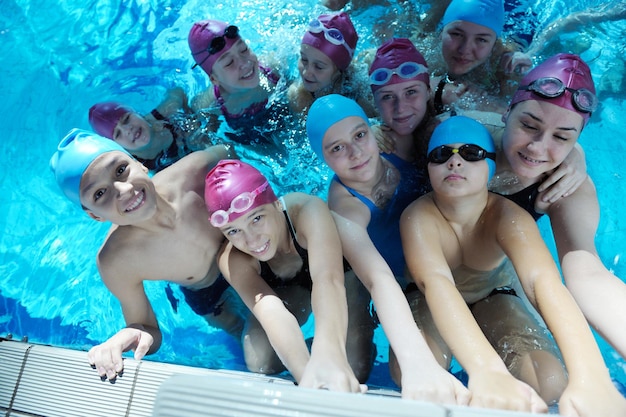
407	70
551	87
239	204
469	152
218	43
332	35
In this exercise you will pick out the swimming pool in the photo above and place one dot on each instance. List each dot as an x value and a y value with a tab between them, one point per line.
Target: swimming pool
60	57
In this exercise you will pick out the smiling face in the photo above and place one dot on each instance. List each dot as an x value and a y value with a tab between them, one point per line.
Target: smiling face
259	233
538	136
237	69
402	106
316	69
457	177
132	132
465	46
117	188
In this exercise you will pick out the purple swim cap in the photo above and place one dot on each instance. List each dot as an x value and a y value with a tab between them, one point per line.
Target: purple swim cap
488	13
103	117
318	37
392	54
201	35
571	70
232	178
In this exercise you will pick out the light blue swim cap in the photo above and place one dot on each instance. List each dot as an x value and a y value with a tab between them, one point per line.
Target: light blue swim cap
488	13
76	151
461	129
325	112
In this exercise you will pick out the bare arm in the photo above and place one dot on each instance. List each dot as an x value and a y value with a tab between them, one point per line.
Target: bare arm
422	377
590	390
425	234
329	365
599	293
281	327
141	334
175	100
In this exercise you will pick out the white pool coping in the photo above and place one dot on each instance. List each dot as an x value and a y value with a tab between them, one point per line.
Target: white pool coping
38	380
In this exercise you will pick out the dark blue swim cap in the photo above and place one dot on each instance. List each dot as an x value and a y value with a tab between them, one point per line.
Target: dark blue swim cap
325	112
76	151
461	129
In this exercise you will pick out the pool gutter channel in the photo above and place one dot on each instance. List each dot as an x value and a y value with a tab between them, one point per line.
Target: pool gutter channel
45	381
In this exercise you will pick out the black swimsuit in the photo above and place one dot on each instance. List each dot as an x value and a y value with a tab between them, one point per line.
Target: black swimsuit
526	199
302	277
168	156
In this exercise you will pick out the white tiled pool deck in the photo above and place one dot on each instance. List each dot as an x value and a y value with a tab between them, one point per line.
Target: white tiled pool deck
37	380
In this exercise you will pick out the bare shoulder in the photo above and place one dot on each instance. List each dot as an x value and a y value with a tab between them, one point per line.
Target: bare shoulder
117	256
193	166
502	212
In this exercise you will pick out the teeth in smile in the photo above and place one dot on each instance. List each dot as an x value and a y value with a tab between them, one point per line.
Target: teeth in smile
536	161
261	249
136	203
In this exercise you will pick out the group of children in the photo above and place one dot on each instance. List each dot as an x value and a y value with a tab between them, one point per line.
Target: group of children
452	268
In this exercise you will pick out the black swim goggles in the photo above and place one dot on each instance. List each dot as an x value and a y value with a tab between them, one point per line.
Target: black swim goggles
218	43
469	152
551	87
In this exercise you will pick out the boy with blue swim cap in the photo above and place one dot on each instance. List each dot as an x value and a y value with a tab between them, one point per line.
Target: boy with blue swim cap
367	195
468	250
76	151
148	214
474	133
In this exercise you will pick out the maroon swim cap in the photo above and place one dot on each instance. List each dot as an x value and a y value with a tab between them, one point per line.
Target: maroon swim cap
200	38
393	53
331	33
103	117
571	70
231	179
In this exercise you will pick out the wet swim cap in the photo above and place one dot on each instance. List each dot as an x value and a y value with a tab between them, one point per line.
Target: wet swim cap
394	53
461	129
570	69
76	151
337	52
325	112
229	179
200	37
103	117
488	13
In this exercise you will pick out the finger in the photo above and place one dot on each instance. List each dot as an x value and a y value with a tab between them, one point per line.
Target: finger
142	348
463	396
363	388
537	405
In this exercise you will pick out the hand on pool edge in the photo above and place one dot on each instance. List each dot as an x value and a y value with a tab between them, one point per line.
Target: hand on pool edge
106	357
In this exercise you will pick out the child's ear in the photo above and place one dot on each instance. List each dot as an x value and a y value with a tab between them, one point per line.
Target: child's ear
93	216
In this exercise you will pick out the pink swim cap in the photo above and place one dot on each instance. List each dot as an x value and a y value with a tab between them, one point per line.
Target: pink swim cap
391	55
103	117
232	178
201	36
572	71
331	33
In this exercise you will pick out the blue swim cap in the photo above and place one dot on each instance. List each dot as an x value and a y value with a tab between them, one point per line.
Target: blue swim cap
76	151
461	129
488	13
325	112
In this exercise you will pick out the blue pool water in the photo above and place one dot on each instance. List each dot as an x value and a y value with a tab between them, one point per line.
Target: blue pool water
60	57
